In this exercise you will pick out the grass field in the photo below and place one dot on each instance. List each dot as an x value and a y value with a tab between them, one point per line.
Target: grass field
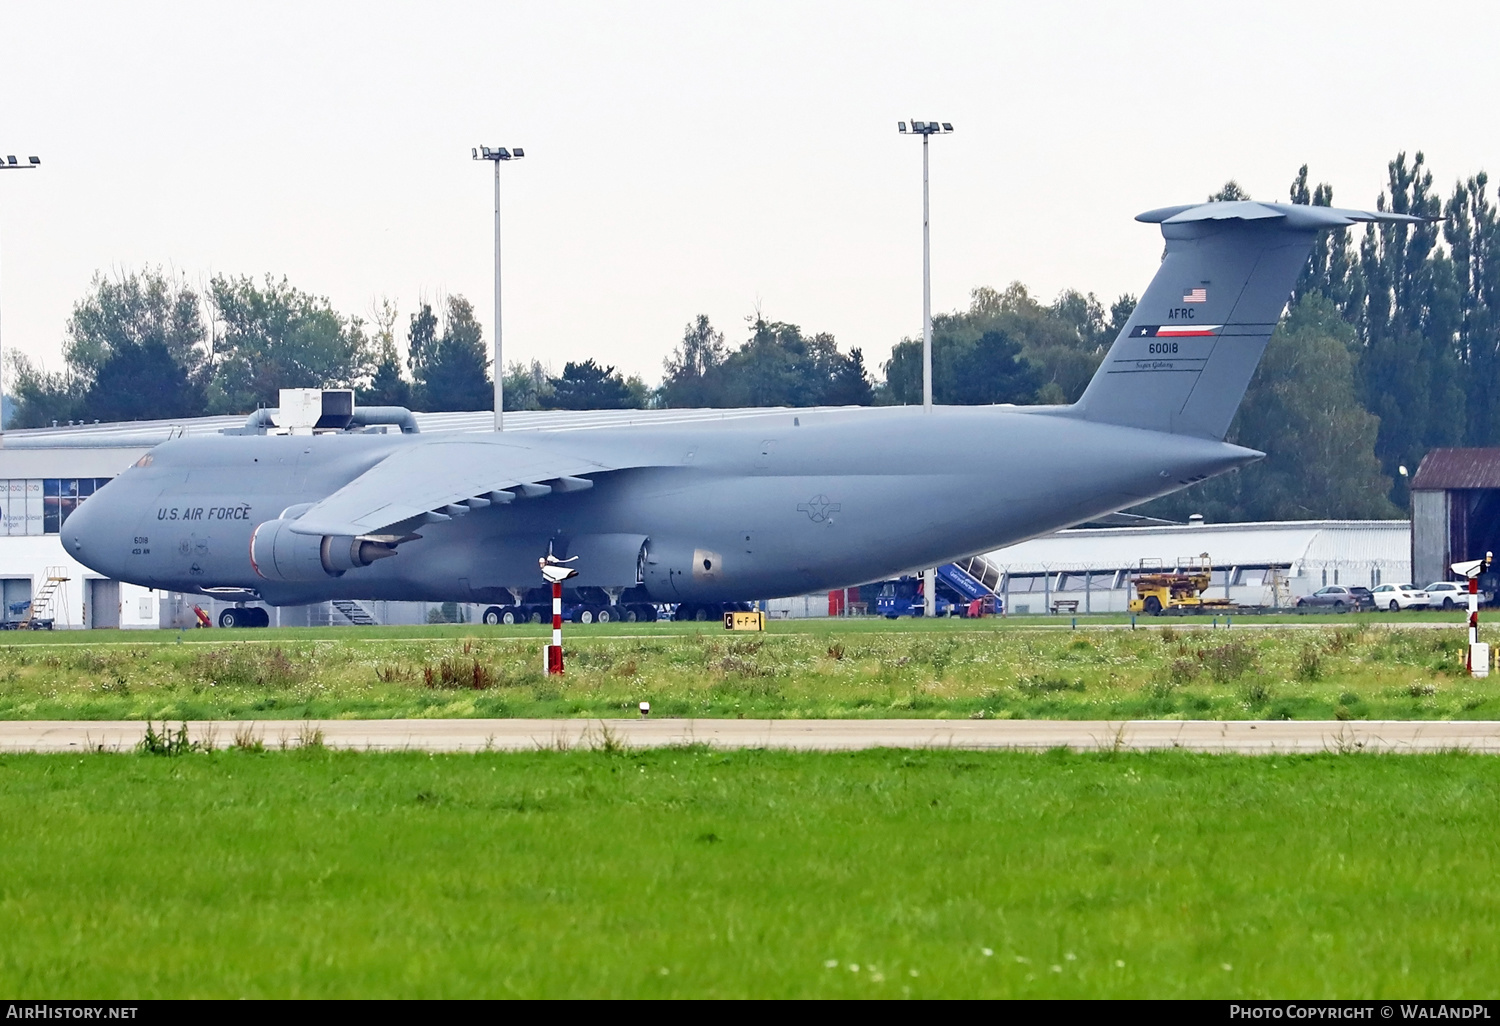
692	873
1347	667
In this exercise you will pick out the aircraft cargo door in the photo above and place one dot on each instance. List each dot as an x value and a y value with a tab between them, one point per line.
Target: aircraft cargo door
103	604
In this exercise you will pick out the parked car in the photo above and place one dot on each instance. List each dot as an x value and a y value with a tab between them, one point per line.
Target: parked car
1400	596
1448	594
1338	598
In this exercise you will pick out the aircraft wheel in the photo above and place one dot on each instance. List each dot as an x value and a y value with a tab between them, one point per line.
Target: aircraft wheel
629	614
508	617
1395	606
492	615
647	613
229	618
1153	605
607	614
700	614
262	618
536	616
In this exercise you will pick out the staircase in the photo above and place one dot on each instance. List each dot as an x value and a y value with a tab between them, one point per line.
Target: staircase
976	579
56	576
354	612
963	582
983	571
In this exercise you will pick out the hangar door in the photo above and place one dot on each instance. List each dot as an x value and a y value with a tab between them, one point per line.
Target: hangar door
103	601
15	592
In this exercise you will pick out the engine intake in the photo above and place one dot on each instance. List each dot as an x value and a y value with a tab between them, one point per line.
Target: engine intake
277	554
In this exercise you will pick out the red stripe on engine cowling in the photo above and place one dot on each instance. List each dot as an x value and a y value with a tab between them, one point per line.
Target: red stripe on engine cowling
253	564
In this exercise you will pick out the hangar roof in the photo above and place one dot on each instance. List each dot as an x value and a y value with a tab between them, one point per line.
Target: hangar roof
1442	469
1315	543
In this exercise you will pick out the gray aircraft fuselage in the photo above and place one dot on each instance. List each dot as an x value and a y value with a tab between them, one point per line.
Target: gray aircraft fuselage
788	503
783	503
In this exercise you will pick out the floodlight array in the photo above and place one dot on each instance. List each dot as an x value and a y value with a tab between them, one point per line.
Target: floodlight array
926	127
500	153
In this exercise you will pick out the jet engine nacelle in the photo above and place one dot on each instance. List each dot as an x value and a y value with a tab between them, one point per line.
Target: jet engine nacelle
278	554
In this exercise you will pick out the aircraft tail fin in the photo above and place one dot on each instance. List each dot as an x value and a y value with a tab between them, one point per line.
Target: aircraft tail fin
1182	362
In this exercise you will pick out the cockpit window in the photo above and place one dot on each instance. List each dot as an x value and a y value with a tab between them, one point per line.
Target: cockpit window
144	461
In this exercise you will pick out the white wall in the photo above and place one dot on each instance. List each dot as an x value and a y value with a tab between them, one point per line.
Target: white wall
33	557
798	607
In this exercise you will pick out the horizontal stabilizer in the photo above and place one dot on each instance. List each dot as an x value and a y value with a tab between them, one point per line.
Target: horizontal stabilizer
1295	216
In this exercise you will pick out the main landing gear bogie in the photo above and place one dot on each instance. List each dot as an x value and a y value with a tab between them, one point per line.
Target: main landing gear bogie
244	616
496	615
634	612
509	616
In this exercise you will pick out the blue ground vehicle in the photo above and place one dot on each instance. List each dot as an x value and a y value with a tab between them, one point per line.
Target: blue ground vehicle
957	591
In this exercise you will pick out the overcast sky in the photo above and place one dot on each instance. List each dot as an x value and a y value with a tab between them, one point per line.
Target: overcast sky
687	158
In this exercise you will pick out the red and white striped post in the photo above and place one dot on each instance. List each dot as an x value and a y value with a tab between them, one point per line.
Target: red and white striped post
554	572
554	656
1477	657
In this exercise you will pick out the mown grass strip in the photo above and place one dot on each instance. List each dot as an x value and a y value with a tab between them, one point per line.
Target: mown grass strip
694	873
1353	671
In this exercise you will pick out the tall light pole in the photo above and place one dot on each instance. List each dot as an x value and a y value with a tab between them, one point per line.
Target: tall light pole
498	156
10	163
927	129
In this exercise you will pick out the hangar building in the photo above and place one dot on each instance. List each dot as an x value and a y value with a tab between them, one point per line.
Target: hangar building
1455	509
1255	564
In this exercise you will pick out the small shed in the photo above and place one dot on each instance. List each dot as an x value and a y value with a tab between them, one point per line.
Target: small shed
1455	510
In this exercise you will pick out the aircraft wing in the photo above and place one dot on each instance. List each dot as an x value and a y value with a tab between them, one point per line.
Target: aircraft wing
439	480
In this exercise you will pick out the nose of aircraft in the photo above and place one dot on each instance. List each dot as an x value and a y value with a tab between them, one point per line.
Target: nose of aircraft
82	537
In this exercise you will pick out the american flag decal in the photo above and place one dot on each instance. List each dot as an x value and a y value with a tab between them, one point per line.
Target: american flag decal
1195	296
1175	330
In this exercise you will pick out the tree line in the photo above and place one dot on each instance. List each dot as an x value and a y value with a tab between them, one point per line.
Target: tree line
1390	346
148	346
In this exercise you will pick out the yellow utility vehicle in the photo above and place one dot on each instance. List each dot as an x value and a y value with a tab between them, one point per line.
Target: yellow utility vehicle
1178	590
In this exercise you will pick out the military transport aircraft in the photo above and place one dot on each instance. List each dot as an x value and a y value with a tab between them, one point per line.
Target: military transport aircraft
784	503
